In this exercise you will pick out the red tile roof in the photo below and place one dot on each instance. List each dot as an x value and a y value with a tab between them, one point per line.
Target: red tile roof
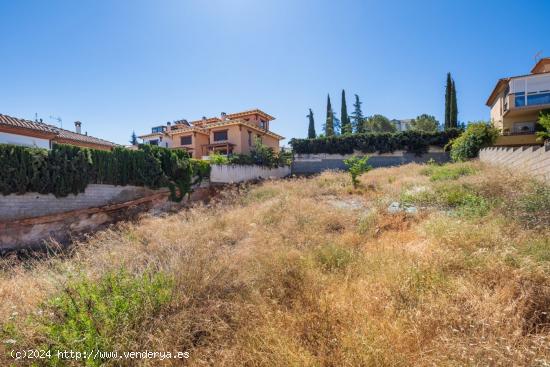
54	130
70	135
25	124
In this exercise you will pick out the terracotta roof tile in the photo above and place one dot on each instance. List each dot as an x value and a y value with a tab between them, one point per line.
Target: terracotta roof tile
70	135
58	132
25	124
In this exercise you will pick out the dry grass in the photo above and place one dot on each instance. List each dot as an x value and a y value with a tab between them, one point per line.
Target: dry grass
278	275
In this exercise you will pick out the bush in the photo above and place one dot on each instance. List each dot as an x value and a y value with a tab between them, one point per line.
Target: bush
544	122
476	136
412	141
98	315
67	169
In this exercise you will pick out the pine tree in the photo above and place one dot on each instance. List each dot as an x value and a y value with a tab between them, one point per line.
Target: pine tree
448	93
133	138
329	125
346	124
311	130
358	118
454	108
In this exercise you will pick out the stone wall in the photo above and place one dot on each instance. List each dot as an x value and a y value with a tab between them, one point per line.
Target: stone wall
532	160
315	163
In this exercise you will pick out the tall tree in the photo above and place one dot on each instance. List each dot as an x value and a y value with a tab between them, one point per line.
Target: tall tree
379	124
311	130
329	125
346	124
425	123
454	108
133	138
448	97
357	115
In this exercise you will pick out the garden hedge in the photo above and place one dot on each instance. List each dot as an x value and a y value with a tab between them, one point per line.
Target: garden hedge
411	141
67	169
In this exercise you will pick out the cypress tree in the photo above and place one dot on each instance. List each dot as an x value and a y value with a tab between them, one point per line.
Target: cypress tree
311	130
329	125
133	138
454	108
448	92
358	123
344	118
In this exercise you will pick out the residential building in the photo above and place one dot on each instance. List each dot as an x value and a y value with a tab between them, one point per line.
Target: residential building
402	125
233	133
40	135
516	103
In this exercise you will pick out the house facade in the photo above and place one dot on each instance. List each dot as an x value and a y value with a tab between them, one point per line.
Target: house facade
516	103
37	134
402	125
233	133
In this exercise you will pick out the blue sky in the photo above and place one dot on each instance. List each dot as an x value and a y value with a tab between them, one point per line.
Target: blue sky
123	65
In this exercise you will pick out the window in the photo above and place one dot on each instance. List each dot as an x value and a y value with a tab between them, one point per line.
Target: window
262	124
158	129
539	98
520	99
250	138
154	142
220	135
186	140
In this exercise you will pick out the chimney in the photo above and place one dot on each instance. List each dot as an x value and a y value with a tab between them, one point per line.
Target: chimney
77	126
224	115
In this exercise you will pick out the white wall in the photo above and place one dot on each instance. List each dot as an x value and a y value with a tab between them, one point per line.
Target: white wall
7	138
242	173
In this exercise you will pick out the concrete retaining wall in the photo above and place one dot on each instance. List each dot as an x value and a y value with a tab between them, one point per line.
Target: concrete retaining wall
35	205
241	173
531	160
315	163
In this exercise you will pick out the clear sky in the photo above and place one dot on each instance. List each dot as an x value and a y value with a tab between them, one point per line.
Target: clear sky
123	65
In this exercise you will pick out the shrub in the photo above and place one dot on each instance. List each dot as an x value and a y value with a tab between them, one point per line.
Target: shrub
98	315
357	166
413	141
476	136
544	121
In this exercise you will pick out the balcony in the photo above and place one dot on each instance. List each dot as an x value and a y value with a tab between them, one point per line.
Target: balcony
527	95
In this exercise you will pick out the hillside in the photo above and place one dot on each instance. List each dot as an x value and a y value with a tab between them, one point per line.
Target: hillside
307	272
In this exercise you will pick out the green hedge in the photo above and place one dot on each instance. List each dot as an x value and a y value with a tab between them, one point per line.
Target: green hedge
411	141
67	169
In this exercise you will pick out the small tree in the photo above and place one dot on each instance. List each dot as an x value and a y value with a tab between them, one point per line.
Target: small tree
544	121
311	129
133	138
356	167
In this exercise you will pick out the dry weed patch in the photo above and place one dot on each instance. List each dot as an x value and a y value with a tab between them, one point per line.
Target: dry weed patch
308	272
